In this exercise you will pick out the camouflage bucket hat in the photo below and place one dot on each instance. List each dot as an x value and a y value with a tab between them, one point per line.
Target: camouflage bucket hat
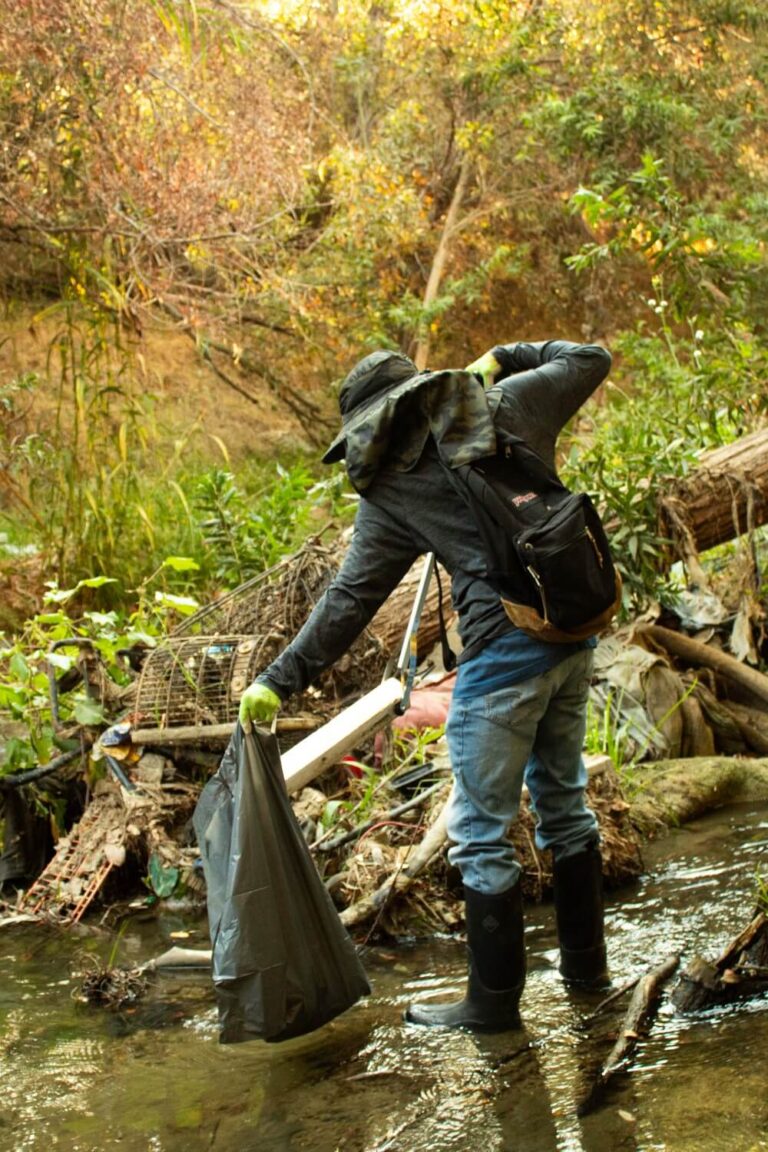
377	381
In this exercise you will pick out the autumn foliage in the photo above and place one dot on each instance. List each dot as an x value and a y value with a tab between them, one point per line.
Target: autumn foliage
294	183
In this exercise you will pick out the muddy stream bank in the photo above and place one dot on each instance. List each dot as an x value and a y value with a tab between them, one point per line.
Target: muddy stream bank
155	1078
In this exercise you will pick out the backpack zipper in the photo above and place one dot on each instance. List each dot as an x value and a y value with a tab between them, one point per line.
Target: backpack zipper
569	544
593	542
537	581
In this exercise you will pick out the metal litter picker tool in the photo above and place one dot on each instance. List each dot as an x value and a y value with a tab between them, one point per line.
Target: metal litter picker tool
326	745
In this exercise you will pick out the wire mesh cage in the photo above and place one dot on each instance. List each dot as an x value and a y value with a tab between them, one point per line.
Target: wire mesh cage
278	602
196	677
198	680
284	595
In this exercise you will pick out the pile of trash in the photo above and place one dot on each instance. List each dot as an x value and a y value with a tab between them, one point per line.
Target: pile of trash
167	731
683	682
678	683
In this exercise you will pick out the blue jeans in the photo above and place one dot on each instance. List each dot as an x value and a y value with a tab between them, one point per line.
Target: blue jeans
531	732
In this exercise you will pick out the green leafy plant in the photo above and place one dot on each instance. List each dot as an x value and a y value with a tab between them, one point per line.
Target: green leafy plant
605	734
90	489
162	879
53	641
612	734
712	262
674	395
413	746
245	532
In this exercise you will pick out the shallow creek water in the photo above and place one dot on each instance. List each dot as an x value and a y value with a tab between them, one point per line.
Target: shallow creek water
157	1080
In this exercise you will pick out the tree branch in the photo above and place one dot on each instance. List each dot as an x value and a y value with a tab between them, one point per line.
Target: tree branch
437	270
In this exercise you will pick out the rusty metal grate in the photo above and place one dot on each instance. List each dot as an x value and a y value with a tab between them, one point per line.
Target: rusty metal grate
198	680
75	874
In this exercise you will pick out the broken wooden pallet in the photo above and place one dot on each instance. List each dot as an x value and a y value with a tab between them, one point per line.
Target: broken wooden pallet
115	824
81	863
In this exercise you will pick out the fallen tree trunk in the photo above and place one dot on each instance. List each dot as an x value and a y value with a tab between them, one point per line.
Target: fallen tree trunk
388	625
672	792
752	725
726	496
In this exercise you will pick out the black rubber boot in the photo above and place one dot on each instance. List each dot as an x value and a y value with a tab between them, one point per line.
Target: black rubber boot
496	968
579	914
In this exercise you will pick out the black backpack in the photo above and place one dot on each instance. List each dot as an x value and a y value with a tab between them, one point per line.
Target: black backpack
546	550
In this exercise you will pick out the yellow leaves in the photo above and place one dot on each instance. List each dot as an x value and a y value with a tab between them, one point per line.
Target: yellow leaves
182	497
149	527
197	255
381	179
221	447
475	136
325	170
143	105
701	245
423	18
754	161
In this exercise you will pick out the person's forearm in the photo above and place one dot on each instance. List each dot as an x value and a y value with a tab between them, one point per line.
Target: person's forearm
334	625
556	373
375	564
522	356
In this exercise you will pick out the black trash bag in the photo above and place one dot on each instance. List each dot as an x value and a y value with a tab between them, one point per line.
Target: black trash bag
283	963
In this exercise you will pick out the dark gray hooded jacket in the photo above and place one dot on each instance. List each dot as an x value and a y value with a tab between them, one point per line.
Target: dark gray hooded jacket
409	506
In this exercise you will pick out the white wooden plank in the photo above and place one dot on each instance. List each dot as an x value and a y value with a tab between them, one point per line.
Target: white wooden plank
328	744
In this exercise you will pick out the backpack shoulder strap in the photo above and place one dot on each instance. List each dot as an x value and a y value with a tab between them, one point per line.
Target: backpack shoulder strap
516	450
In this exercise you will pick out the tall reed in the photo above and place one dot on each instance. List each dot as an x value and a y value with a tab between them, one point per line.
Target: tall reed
106	483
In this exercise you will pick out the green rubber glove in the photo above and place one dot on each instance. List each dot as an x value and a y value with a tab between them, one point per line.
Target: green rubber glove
486	366
258	705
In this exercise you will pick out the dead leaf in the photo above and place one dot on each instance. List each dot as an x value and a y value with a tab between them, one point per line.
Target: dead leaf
114	854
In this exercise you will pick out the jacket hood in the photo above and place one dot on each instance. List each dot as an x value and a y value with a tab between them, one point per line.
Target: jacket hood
373	380
389	409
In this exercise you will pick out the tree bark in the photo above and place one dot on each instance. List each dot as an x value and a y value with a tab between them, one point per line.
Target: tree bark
698	654
739	973
725	497
671	792
421	354
640	1013
388	625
